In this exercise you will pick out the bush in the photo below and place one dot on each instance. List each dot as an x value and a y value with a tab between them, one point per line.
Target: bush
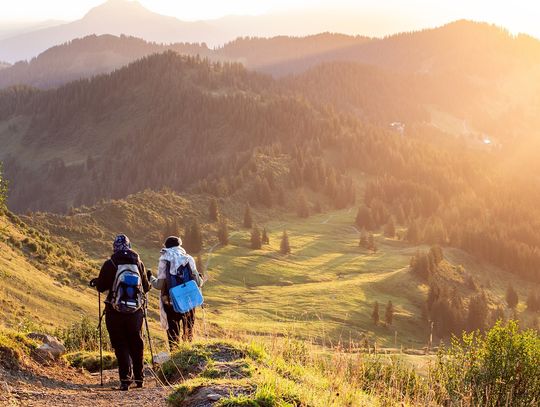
500	368
83	336
90	360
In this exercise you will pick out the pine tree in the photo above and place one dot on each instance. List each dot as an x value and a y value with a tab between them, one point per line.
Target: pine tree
248	220
371	243
363	239
511	297
303	207
213	210
533	302
223	232
285	247
436	253
364	218
390	228
375	314
265	238
496	315
478	312
389	313
256	238
193	238
413	233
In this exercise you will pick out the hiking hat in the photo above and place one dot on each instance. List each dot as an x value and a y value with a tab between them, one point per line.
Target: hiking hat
121	243
172	241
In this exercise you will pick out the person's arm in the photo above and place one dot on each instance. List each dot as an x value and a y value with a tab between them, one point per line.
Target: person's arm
159	282
144	278
106	276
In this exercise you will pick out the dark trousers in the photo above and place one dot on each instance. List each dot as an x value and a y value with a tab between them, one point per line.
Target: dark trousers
125	331
174	319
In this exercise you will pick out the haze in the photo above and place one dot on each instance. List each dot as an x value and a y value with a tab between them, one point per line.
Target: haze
367	17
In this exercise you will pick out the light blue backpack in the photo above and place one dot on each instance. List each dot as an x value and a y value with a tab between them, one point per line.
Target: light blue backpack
184	292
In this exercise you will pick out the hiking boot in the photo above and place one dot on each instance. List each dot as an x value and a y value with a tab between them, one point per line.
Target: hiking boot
139	385
124	387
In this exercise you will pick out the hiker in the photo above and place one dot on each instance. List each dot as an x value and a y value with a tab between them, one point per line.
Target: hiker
124	276
174	257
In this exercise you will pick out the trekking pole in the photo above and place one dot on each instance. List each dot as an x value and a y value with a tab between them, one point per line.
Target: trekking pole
100	341
145	310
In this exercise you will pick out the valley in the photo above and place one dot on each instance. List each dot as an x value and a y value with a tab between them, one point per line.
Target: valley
364	211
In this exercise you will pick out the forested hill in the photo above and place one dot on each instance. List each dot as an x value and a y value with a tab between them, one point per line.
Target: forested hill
165	120
86	57
190	125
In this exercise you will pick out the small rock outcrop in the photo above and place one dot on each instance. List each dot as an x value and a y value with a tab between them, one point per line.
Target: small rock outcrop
50	350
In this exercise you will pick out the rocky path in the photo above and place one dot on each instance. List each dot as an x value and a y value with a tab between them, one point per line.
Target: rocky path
62	386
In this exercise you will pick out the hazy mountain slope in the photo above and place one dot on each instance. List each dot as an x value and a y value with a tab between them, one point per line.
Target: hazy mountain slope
463	46
12	29
262	53
372	93
86	57
113	17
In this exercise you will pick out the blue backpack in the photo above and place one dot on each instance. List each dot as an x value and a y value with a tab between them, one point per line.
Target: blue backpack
184	292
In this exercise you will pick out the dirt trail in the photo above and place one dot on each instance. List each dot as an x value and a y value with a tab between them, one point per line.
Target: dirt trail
63	386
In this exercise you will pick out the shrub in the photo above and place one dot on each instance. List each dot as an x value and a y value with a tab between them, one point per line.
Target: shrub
90	360
501	367
83	335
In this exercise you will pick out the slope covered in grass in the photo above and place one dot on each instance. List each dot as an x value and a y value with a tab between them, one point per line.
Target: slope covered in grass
42	279
323	291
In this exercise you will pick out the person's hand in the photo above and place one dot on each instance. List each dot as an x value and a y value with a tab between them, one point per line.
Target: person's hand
149	274
93	282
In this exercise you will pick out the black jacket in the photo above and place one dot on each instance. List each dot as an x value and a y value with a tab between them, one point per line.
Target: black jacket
108	271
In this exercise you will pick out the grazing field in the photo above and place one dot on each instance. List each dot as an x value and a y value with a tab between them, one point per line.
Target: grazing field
326	288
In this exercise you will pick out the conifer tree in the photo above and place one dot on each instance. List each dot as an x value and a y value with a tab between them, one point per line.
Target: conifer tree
371	243
375	313
223	232
413	233
511	297
213	210
303	207
265	238
390	228
256	238
193	238
496	315
364	218
285	247
248	220
389	313
478	312
363	239
533	301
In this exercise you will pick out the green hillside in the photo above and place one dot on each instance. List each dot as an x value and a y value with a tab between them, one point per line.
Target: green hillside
323	291
42	279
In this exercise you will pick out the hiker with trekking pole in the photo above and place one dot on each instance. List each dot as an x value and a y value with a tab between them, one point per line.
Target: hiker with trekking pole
180	284
125	279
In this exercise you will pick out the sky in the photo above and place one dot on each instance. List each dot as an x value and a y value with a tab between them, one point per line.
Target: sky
387	15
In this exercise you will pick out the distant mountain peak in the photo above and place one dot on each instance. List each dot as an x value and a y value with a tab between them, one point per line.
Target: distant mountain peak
113	7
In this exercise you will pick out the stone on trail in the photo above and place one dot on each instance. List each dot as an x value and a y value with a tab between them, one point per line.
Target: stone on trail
50	350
